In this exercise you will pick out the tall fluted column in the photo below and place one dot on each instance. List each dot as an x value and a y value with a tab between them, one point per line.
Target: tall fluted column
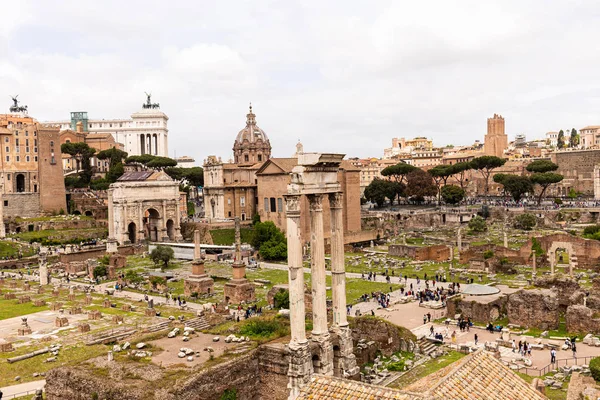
300	367
317	265
338	273
295	269
344	361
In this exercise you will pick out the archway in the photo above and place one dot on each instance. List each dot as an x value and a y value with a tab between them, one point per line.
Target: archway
131	231
152	222
562	253
20	183
316	362
89	213
171	229
76	212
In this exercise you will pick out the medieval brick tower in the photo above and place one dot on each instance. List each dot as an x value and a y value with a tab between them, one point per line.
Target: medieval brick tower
496	140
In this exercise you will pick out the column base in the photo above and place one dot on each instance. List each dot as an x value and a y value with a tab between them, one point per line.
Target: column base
324	364
300	369
344	361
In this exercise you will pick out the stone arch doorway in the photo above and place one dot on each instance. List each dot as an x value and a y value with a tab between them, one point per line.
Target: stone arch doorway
316	362
76	212
568	256
20	179
131	232
152	222
171	229
88	213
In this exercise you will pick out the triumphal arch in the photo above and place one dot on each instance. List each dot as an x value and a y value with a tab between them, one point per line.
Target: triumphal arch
328	351
144	205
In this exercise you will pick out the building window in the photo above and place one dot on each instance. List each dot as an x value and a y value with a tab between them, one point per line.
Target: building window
229	202
26	133
35	149
273	204
7	149
6	140
280	204
52	143
259	157
16	142
245	157
229	213
16	133
18	149
34	133
266	204
7	160
35	158
18	158
5	203
35	142
68	141
26	149
243	201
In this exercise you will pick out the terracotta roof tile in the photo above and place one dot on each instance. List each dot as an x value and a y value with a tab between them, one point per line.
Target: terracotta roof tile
328	387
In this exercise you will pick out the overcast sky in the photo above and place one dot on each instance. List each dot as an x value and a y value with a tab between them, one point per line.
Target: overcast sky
341	76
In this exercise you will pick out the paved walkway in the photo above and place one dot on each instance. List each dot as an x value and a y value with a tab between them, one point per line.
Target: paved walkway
22	389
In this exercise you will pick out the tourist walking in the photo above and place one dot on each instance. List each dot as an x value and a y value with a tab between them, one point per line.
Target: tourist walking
552	356
454	337
476	339
574	349
514	346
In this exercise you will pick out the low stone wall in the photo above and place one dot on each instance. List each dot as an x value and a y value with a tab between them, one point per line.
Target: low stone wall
421	253
273	363
564	287
478	310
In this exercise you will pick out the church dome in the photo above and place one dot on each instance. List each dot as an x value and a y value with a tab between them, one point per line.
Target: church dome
252	133
251	144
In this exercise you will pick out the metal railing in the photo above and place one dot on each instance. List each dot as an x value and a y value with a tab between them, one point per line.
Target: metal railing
20	394
559	363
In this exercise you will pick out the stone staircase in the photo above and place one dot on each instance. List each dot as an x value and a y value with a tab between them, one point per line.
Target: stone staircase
426	346
198	323
159	327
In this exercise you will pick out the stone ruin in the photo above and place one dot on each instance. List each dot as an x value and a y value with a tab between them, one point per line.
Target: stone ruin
239	289
315	176
421	253
25	329
198	282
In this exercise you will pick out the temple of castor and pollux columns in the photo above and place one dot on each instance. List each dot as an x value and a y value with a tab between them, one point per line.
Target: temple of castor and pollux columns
329	349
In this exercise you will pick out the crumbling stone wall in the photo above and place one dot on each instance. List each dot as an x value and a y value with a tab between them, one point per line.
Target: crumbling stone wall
534	308
564	286
582	319
421	253
389	338
478	311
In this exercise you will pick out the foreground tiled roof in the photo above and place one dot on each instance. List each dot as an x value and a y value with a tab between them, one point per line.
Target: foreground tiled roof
327	387
482	377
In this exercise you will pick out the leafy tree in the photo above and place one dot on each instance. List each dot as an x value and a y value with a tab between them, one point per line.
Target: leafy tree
100	271
281	299
516	186
115	172
460	169
399	171
574	138
545	179
255	219
191	208
541	166
270	241
156	281
525	221
453	194
560	143
162	254
193	176
592	232
82	153
477	224
380	189
485	165
155	162
115	166
99	184
573	194
440	173
419	185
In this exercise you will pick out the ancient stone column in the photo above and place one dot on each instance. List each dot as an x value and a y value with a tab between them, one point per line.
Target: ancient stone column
197	252
43	269
533	263
2	228
505	240
459	239
552	261
317	247
300	367
345	362
338	272
320	332
111	218
295	269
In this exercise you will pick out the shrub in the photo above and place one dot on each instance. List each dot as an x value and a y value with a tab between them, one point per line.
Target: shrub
525	221
263	328
595	368
229	394
477	224
162	255
282	299
396	366
488	254
590	231
99	271
255	219
558	201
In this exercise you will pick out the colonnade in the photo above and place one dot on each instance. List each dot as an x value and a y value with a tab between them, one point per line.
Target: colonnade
303	362
149	144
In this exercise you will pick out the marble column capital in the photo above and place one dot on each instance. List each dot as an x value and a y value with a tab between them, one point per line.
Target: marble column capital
315	202
336	200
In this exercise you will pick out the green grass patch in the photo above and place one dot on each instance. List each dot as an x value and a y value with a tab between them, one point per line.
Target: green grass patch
427	368
67	356
225	237
12	249
63	236
10	308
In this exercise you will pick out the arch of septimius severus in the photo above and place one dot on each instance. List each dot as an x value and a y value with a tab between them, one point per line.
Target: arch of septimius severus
329	349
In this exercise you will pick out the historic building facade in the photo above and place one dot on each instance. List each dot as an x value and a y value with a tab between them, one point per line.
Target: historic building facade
251	144
31	171
146	132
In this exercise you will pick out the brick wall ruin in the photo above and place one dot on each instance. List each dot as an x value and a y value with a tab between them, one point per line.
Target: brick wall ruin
421	253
